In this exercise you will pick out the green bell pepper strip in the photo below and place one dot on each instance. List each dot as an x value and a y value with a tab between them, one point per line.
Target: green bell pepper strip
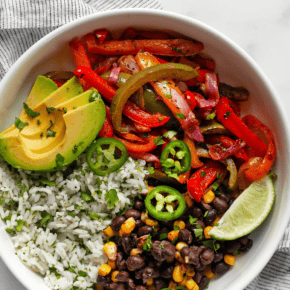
110	155
150	74
171	195
182	162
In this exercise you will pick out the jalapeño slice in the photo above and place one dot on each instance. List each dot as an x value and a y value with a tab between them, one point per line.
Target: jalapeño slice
176	157
162	208
106	155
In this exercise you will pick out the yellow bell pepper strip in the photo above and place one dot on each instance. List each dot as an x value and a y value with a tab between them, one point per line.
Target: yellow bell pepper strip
235	125
195	162
172	96
258	172
128	108
169	47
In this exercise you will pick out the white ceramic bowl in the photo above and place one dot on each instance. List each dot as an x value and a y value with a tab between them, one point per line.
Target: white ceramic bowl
234	66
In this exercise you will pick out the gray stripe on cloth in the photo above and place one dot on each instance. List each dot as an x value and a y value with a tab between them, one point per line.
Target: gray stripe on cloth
23	22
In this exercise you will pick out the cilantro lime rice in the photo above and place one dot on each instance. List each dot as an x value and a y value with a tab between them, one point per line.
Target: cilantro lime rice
56	219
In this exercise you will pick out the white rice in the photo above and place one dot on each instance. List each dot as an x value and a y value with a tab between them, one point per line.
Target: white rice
66	250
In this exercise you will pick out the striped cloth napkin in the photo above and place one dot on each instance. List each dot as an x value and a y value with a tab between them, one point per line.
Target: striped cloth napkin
23	22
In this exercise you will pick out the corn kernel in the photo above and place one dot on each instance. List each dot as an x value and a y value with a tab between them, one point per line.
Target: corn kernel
99	287
149	282
195	288
130	269
190	272
136	251
151	223
109	232
178	257
152	287
208	272
122	233
172	285
144	216
180	224
112	264
149	188
217	219
188	199
128	226
180	245
114	274
173	235
209	197
229	259
177	273
110	250
190	284
104	270
170	260
183	282
206	230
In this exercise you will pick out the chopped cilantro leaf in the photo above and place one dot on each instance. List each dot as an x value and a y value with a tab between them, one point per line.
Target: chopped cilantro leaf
147	246
180	115
29	111
112	197
158	141
151	170
169	134
19	124
211	116
50	109
50	133
59	160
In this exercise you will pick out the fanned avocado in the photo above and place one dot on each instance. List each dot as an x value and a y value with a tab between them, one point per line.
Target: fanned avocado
66	123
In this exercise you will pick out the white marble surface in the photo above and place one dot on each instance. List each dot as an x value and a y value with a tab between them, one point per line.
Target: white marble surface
260	27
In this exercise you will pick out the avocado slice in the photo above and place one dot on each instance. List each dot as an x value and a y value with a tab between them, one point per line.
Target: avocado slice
75	129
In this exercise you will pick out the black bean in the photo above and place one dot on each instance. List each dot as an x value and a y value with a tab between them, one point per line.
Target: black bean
135	214
120	262
167	273
210	217
123	276
149	273
117	222
196	212
138	204
138	224
203	282
135	262
127	245
220	204
206	256
205	206
140	288
232	246
247	247
185	215
231	202
218	257
220	268
116	286
185	236
162	250
244	240
131	284
159	284
197	277
167	224
225	197
191	254
104	280
145	230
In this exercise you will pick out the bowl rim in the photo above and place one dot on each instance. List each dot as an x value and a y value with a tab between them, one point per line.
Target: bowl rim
261	75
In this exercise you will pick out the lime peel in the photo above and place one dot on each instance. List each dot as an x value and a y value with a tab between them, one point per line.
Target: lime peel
247	212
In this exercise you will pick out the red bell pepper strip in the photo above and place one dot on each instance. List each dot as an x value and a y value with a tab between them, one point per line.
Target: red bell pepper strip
198	80
130	110
190	97
204	62
141	128
107	129
148	157
168	47
235	125
102	35
226	142
258	172
129	33
131	137
80	58
183	177
137	147
173	98
202	178
217	152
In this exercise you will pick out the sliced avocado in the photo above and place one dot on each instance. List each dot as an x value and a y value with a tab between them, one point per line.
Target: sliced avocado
50	96
74	131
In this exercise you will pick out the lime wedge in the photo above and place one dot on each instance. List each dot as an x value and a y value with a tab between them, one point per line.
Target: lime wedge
247	212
